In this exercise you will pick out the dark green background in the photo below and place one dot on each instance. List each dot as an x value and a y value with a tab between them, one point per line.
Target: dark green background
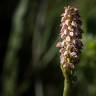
29	60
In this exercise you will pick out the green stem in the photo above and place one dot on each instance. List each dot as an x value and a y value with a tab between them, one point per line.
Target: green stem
67	88
68	85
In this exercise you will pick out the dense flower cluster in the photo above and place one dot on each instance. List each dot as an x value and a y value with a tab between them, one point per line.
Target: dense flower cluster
71	33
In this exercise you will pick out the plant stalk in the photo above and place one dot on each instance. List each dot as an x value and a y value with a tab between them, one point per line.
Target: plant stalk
68	84
67	88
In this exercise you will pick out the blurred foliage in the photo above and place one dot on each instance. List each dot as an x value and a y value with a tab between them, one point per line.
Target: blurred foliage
31	62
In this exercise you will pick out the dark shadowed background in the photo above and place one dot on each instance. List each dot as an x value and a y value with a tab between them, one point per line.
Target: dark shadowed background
29	60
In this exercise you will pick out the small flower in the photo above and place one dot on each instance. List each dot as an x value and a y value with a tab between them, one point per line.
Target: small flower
62	50
74	24
62	60
65	32
67	22
58	45
71	33
70	28
73	54
68	38
65	53
62	43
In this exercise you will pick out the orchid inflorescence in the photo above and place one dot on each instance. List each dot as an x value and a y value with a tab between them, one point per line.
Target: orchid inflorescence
70	44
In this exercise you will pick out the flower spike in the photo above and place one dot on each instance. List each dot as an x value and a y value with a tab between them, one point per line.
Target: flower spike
71	33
